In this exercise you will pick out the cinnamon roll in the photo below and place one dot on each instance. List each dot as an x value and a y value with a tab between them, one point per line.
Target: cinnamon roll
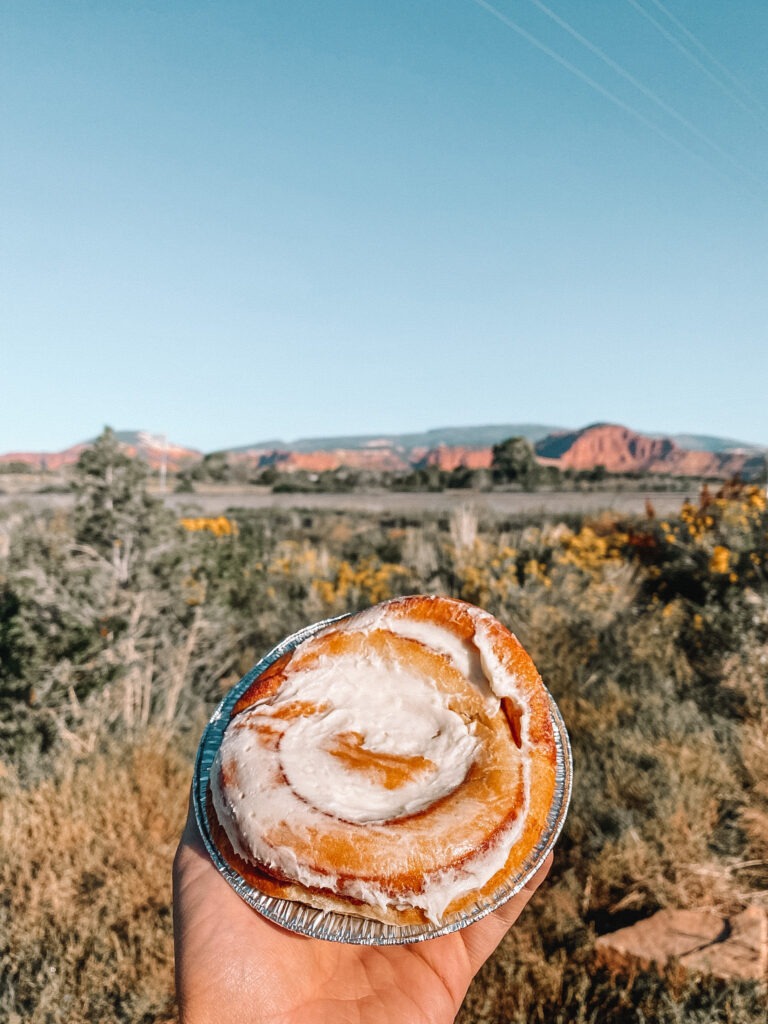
399	765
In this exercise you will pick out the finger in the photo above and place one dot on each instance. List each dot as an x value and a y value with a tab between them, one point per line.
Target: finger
509	912
484	936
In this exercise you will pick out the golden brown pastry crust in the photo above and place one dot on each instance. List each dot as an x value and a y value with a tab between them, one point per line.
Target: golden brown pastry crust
510	782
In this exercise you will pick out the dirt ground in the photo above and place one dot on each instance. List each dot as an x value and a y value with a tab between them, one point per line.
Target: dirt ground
213	501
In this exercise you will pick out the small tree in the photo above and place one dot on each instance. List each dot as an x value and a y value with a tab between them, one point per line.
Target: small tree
113	513
514	461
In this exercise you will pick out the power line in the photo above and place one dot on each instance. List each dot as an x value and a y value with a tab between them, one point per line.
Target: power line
695	61
580	74
648	93
606	93
710	56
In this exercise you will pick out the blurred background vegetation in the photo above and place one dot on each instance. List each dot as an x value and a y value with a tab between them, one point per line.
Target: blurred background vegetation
121	626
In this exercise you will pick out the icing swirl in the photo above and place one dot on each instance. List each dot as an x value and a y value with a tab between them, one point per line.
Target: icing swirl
386	761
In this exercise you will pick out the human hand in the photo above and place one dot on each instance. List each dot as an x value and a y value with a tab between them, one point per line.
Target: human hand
233	966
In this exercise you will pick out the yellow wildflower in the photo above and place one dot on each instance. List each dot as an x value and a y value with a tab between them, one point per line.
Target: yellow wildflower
720	562
219	526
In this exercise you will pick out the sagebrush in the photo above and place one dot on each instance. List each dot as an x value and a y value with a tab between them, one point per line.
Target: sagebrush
120	627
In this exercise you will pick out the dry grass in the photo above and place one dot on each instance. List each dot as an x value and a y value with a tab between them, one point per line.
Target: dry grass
85	869
658	660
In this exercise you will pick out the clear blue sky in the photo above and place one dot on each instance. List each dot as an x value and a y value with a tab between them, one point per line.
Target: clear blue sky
231	221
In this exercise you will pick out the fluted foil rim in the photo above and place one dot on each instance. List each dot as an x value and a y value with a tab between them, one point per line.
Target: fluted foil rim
337	927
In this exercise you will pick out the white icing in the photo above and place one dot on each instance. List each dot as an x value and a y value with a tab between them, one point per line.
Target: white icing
367	700
371	704
439	890
464	656
503	683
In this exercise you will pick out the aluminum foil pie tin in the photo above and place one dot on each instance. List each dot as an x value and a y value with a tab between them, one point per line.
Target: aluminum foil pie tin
337	927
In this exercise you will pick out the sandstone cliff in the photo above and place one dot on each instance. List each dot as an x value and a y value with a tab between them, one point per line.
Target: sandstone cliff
617	448
621	450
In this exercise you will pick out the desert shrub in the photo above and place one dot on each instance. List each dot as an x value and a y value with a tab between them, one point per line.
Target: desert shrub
652	635
523	984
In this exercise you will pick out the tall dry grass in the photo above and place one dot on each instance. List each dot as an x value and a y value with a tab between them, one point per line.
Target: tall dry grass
85	917
653	638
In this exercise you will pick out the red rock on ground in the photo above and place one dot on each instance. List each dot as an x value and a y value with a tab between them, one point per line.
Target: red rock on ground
700	941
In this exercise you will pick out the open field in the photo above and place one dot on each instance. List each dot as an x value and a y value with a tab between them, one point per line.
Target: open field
121	626
215	501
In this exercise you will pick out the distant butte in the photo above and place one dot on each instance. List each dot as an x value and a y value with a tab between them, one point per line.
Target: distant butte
616	448
621	450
